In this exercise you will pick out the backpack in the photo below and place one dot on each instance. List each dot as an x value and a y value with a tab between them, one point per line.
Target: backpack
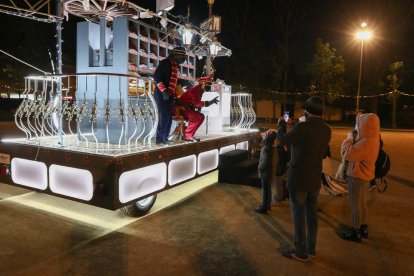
382	167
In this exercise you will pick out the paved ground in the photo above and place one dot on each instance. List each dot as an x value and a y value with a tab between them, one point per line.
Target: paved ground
212	232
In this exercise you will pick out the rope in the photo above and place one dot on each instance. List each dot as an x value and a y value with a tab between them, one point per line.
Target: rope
44	72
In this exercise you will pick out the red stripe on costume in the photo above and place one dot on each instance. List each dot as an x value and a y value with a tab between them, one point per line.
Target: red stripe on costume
173	80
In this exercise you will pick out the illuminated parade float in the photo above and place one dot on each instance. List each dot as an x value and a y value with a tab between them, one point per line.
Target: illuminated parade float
90	136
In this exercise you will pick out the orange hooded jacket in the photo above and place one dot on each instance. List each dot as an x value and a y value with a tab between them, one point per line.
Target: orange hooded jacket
364	152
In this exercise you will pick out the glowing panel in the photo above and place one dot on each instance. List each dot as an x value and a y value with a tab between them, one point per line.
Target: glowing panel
243	145
181	169
207	161
72	182
226	149
143	181
225	104
29	173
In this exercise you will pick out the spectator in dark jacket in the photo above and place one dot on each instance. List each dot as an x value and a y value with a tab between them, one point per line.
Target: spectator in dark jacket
309	142
265	170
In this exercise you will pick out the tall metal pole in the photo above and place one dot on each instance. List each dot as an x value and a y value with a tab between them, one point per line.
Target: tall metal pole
208	58
359	78
59	66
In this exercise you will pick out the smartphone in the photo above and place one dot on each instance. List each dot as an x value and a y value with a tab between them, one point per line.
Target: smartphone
286	117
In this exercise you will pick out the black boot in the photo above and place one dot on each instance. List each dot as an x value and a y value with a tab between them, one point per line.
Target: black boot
352	235
363	231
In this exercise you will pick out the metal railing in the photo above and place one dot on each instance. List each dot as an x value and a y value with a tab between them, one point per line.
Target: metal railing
242	115
94	110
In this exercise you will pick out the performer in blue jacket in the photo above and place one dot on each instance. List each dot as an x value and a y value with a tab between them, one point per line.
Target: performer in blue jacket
166	77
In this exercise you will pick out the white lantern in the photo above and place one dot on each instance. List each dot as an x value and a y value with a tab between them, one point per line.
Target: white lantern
187	35
214	47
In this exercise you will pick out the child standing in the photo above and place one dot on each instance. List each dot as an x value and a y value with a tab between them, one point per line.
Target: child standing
361	151
265	170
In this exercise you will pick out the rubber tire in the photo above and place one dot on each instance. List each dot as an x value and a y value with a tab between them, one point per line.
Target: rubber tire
140	207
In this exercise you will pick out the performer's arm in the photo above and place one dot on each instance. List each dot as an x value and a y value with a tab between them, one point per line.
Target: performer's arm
213	101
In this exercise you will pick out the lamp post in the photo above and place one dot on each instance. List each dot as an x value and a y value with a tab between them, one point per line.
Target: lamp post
362	35
208	58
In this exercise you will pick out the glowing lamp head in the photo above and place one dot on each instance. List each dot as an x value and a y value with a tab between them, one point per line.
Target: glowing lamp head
363	24
363	35
214	47
187	35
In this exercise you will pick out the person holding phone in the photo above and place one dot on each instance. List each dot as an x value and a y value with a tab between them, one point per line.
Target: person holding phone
283	153
309	142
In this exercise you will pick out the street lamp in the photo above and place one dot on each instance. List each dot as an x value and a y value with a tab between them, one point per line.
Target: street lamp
362	35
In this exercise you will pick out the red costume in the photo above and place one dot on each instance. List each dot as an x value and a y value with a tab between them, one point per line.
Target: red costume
195	118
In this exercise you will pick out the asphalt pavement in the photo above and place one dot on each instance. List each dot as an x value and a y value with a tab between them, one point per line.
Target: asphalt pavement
209	228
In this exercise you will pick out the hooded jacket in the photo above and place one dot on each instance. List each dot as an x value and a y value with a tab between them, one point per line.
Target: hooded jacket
266	156
364	152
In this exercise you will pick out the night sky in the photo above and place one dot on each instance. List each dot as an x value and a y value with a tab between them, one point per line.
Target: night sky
251	30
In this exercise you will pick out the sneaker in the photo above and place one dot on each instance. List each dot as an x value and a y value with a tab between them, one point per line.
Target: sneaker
312	253
351	235
363	231
162	144
192	139
261	210
291	254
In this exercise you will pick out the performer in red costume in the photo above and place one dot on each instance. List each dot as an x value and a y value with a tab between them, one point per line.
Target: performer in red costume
191	100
